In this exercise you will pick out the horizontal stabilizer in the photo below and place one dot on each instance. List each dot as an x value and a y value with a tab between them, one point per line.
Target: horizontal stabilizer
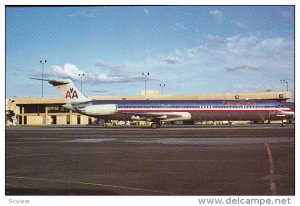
55	82
67	90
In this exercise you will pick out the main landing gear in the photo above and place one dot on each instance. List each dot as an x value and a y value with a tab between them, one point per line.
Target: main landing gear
155	124
283	123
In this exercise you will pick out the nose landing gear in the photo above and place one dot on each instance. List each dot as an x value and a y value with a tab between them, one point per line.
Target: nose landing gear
283	123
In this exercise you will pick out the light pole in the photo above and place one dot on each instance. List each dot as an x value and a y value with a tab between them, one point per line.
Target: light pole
162	88
43	62
81	76
145	74
287	83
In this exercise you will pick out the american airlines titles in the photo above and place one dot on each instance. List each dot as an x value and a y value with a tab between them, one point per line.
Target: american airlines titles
249	103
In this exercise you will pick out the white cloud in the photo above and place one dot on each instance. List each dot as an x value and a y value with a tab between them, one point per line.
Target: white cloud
217	14
146	11
70	71
217	56
259	87
212	37
273	44
104	78
242	67
172	59
239	24
286	14
177	27
114	67
178	52
216	59
99	91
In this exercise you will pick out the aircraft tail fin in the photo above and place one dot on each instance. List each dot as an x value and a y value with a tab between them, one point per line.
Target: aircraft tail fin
67	90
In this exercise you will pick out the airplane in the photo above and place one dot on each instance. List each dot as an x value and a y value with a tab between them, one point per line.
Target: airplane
158	111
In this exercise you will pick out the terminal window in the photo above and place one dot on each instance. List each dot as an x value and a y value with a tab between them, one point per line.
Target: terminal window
34	108
57	109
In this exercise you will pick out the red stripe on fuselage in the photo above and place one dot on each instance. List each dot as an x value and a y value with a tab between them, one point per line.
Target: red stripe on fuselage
197	110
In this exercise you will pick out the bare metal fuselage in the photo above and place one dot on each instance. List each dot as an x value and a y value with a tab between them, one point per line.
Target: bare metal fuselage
192	110
213	116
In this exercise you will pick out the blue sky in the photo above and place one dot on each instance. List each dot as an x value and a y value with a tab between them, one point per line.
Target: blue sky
192	49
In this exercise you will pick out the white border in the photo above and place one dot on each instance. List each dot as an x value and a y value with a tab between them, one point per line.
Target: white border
121	200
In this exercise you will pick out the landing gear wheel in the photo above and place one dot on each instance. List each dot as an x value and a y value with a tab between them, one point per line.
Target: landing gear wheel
283	124
155	125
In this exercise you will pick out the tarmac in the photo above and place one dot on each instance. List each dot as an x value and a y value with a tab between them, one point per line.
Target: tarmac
172	160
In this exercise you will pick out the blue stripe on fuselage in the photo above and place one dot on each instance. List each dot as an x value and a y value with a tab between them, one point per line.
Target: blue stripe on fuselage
183	102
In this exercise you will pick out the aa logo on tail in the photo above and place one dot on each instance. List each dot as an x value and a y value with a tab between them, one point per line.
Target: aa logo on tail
71	94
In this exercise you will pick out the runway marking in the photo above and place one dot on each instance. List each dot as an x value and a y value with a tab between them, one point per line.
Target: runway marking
272	171
37	142
15	185
27	155
92	184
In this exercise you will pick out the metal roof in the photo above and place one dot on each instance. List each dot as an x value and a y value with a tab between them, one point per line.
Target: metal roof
283	95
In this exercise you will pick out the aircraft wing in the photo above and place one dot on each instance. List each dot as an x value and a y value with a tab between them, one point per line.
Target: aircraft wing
162	116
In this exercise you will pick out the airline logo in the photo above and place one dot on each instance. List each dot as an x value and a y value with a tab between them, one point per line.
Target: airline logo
71	94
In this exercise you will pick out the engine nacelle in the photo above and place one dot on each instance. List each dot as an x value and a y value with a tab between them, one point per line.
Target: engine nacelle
103	109
180	117
136	117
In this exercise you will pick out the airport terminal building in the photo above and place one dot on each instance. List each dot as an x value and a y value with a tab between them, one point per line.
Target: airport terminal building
50	110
